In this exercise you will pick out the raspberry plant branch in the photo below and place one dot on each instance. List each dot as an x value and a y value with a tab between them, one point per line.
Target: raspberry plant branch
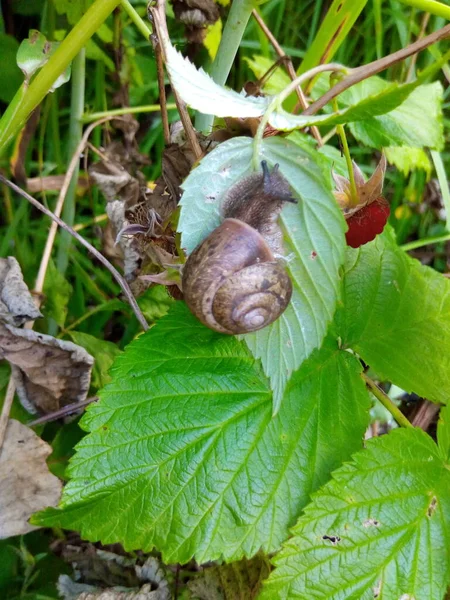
278	100
386	402
360	73
114	272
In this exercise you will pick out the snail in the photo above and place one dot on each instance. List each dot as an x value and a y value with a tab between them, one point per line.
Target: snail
232	282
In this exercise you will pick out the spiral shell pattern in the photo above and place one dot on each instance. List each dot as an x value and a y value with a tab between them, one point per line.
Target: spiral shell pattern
232	282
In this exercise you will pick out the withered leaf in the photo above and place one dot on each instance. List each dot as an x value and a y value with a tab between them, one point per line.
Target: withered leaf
241	579
151	572
26	483
16	303
48	373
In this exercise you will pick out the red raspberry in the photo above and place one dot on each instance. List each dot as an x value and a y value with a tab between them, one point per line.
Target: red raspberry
365	224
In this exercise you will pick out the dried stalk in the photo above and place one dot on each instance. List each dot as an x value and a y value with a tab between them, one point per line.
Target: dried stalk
289	68
117	276
158	16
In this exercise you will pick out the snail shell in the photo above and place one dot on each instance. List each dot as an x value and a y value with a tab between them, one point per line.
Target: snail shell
232	282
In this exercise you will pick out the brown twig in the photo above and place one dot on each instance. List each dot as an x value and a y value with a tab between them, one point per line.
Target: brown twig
366	71
289	68
425	19
40	279
162	89
158	15
62	412
105	262
425	414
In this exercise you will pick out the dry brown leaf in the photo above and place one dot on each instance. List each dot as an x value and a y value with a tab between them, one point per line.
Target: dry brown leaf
151	572
48	373
234	581
16	303
26	483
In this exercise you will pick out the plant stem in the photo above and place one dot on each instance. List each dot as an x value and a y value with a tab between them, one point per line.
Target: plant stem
115	273
137	20
386	402
233	32
340	130
75	133
434	239
280	98
431	6
26	99
127	110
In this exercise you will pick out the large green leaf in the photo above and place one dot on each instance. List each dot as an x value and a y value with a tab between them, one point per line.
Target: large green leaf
379	529
397	317
417	122
104	353
443	432
184	453
314	240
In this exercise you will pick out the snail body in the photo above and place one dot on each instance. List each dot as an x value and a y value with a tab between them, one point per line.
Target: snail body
232	281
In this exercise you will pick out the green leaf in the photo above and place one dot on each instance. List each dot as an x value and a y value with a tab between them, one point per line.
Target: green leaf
73	9
339	20
12	78
155	302
104	353
407	159
417	122
184	453
363	106
443	432
378	529
34	52
364	109
57	292
314	241
201	92
396	317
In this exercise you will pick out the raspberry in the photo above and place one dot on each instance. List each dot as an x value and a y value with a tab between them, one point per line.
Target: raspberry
365	224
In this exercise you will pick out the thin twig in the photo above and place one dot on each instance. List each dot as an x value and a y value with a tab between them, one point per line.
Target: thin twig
62	412
425	19
425	414
162	89
366	71
386	401
6	409
289	68
117	276
40	279
158	14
